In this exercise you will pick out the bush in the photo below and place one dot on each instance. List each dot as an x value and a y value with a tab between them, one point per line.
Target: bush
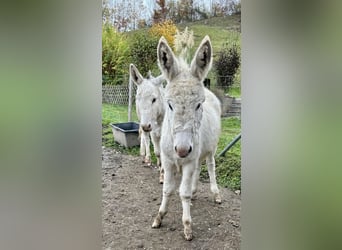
115	56
226	65
144	51
167	29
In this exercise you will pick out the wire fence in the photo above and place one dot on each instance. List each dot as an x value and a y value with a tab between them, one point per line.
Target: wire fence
117	94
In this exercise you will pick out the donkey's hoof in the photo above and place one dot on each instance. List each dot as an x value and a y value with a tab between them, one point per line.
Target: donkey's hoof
194	191
187	235
218	199
161	179
156	223
147	162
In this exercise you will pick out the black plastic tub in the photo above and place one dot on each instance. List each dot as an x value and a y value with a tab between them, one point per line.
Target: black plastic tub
126	134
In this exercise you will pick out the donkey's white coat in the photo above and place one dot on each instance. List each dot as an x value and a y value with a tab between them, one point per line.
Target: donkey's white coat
191	127
150	111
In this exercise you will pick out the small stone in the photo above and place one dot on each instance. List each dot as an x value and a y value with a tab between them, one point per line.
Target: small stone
140	245
234	223
238	192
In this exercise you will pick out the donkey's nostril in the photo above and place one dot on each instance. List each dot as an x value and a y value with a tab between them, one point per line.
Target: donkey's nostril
183	151
146	127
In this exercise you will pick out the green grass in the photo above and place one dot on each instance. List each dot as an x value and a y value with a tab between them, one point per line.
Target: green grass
234	91
115	114
228	167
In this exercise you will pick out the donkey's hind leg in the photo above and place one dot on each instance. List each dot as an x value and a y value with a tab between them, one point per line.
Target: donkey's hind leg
195	179
212	176
156	146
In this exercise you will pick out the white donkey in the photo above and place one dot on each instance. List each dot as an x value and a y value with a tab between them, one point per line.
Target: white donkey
191	128
150	111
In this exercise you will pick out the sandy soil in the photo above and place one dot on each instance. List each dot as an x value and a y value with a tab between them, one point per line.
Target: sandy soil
131	195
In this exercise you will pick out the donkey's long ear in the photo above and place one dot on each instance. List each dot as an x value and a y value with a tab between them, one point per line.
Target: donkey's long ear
166	59
201	63
135	74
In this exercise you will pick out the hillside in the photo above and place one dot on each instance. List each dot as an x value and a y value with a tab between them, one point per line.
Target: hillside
220	30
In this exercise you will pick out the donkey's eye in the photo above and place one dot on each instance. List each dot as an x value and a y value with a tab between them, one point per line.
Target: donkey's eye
154	100
170	107
198	106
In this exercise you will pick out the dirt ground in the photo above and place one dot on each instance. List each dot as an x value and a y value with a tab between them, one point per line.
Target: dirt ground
131	195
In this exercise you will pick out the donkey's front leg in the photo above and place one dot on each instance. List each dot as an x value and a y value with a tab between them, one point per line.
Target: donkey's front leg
156	145
145	147
185	194
168	189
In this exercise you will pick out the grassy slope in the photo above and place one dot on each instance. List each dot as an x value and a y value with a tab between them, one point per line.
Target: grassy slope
220	30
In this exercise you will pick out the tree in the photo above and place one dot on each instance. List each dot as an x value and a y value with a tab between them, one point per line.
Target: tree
226	65
186	10
143	51
166	29
160	13
115	55
124	15
106	12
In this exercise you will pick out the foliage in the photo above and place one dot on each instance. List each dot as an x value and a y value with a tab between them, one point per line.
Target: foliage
226	65
115	55
167	29
143	51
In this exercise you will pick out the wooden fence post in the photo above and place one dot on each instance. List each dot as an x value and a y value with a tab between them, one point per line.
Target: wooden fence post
130	99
